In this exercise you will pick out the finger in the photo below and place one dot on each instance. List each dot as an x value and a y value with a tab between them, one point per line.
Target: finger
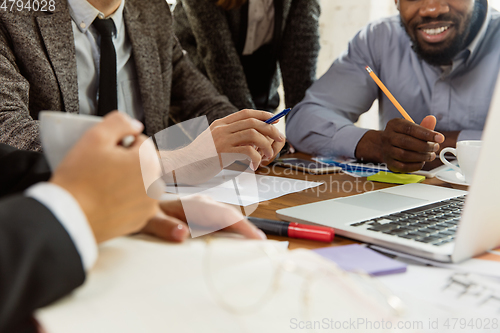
116	126
410	143
247	229
167	227
263	128
225	140
429	122
251	153
407	156
276	149
251	137
139	140
277	146
398	166
248	113
173	208
406	127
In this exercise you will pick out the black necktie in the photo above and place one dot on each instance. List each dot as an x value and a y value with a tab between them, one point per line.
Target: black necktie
108	100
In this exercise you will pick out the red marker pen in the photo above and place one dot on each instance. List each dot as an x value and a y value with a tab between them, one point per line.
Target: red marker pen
294	230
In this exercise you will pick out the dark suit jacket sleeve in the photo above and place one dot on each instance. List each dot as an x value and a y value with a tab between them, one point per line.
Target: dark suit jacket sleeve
299	49
20	169
38	260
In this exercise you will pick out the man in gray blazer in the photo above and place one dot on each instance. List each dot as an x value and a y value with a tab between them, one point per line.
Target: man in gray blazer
49	60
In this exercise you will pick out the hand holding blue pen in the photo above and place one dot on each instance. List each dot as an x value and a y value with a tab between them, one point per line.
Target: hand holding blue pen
278	116
248	132
272	120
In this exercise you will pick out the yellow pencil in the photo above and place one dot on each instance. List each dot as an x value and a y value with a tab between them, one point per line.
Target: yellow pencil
388	94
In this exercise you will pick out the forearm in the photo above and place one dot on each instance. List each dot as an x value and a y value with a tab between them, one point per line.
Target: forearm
192	164
369	147
314	129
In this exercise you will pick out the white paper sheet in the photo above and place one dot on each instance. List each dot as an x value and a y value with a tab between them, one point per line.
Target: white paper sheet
144	285
250	189
444	306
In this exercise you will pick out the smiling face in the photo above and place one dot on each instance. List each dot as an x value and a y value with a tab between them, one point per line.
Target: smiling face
438	29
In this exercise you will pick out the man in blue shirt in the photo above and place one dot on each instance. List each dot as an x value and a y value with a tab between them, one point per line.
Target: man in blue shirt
440	59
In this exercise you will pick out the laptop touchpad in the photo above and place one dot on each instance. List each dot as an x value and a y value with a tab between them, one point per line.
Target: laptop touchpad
384	202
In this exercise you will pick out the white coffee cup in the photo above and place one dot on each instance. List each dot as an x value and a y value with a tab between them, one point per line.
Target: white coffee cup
467	153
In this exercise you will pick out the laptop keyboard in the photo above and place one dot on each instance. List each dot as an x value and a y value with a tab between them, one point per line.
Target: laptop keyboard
434	224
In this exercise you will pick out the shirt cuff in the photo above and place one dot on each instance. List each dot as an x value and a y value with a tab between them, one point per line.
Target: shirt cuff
346	140
69	213
469	135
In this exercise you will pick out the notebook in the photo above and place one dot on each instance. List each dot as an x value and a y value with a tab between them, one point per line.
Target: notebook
356	257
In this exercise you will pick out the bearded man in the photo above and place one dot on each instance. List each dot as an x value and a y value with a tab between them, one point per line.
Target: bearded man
439	58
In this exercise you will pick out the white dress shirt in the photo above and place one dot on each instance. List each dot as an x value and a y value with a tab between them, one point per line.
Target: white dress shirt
69	213
87	41
260	25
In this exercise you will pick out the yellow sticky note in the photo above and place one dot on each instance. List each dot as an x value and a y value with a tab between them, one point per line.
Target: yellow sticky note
396	178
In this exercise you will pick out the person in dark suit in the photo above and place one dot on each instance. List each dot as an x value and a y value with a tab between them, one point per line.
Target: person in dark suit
49	231
19	169
246	47
95	56
48	234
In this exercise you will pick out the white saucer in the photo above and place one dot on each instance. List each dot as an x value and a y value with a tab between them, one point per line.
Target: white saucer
451	176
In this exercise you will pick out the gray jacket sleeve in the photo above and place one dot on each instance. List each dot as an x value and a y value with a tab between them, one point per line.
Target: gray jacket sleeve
323	123
18	127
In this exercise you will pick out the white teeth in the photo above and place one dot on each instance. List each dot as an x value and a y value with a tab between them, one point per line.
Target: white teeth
436	31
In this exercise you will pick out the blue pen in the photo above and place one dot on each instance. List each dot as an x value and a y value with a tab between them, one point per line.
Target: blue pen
351	168
278	116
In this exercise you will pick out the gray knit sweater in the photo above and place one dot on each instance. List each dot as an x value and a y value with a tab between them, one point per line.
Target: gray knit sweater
209	35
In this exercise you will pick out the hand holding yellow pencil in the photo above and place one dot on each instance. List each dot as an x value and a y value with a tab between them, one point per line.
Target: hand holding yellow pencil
403	145
388	94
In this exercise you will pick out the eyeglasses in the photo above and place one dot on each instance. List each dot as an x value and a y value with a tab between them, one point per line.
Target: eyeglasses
250	276
486	293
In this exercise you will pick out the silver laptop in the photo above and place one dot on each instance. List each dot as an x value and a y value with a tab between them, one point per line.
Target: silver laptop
428	221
